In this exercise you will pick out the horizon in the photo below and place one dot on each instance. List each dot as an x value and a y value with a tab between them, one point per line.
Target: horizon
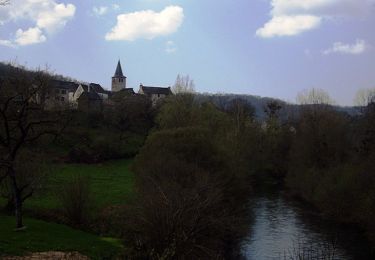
274	49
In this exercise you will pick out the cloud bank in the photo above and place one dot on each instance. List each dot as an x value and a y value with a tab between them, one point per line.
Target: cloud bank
146	24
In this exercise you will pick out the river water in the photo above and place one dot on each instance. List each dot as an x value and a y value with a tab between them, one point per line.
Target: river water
284	228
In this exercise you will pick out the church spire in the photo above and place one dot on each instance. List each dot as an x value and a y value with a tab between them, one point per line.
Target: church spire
118	80
118	72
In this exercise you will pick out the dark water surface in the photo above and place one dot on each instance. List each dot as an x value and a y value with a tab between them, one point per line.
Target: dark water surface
283	227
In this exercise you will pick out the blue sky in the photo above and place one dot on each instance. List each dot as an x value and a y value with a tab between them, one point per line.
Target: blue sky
274	48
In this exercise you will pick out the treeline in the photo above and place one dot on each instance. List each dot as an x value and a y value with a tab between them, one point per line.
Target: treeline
331	163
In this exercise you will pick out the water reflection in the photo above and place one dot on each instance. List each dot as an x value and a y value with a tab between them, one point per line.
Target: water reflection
282	227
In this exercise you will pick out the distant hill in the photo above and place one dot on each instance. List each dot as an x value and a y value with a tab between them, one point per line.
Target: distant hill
259	104
5	68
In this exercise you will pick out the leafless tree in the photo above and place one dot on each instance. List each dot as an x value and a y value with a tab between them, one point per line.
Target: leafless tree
364	97
23	121
314	97
183	84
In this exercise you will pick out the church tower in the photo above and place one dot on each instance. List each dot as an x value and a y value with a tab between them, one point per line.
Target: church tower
118	80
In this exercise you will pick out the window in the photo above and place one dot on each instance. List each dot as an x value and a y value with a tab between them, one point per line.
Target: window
63	91
62	98
158	95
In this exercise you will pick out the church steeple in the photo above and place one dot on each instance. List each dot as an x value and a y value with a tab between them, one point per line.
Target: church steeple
118	80
118	72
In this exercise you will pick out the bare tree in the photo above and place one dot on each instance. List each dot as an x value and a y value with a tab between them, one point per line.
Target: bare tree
364	97
23	121
183	84
314	97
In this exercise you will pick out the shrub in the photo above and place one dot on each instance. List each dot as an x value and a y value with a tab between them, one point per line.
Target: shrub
76	200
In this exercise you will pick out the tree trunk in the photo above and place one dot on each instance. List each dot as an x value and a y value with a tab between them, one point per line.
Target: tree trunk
17	199
9	207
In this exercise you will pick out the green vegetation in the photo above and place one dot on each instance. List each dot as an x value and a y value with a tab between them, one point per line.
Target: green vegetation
110	182
43	236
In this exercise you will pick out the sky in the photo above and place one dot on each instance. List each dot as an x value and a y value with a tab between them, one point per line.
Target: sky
273	48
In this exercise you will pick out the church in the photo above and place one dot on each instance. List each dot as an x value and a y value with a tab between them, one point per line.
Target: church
92	96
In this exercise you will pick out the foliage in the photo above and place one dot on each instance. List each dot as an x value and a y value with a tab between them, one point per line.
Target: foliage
331	164
187	195
76	200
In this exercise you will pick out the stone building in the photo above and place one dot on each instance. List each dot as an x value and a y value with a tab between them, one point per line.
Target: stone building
118	80
154	93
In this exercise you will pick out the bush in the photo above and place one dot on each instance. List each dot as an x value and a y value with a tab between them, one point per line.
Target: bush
76	200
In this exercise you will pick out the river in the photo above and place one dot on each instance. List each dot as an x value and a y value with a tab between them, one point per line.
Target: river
283	228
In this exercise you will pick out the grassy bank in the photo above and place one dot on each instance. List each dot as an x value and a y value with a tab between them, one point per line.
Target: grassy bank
43	236
111	183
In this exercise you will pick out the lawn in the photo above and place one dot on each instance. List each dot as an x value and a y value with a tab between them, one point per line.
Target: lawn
111	183
44	236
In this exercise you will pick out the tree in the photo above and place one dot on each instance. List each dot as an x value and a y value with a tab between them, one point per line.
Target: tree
23	121
30	176
130	113
314	97
364	97
241	112
183	84
189	203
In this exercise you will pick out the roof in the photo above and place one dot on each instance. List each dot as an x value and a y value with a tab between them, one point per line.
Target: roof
97	88
67	85
118	72
148	90
127	90
85	87
90	95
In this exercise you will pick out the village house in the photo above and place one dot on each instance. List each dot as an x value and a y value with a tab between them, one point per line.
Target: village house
92	96
154	93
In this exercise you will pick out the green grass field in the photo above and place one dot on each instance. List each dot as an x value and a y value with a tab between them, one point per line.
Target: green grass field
43	236
111	183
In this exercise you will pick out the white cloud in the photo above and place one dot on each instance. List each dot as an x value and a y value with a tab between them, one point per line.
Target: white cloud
146	24
7	43
30	36
292	17
358	47
170	47
288	25
101	10
115	7
45	16
55	17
